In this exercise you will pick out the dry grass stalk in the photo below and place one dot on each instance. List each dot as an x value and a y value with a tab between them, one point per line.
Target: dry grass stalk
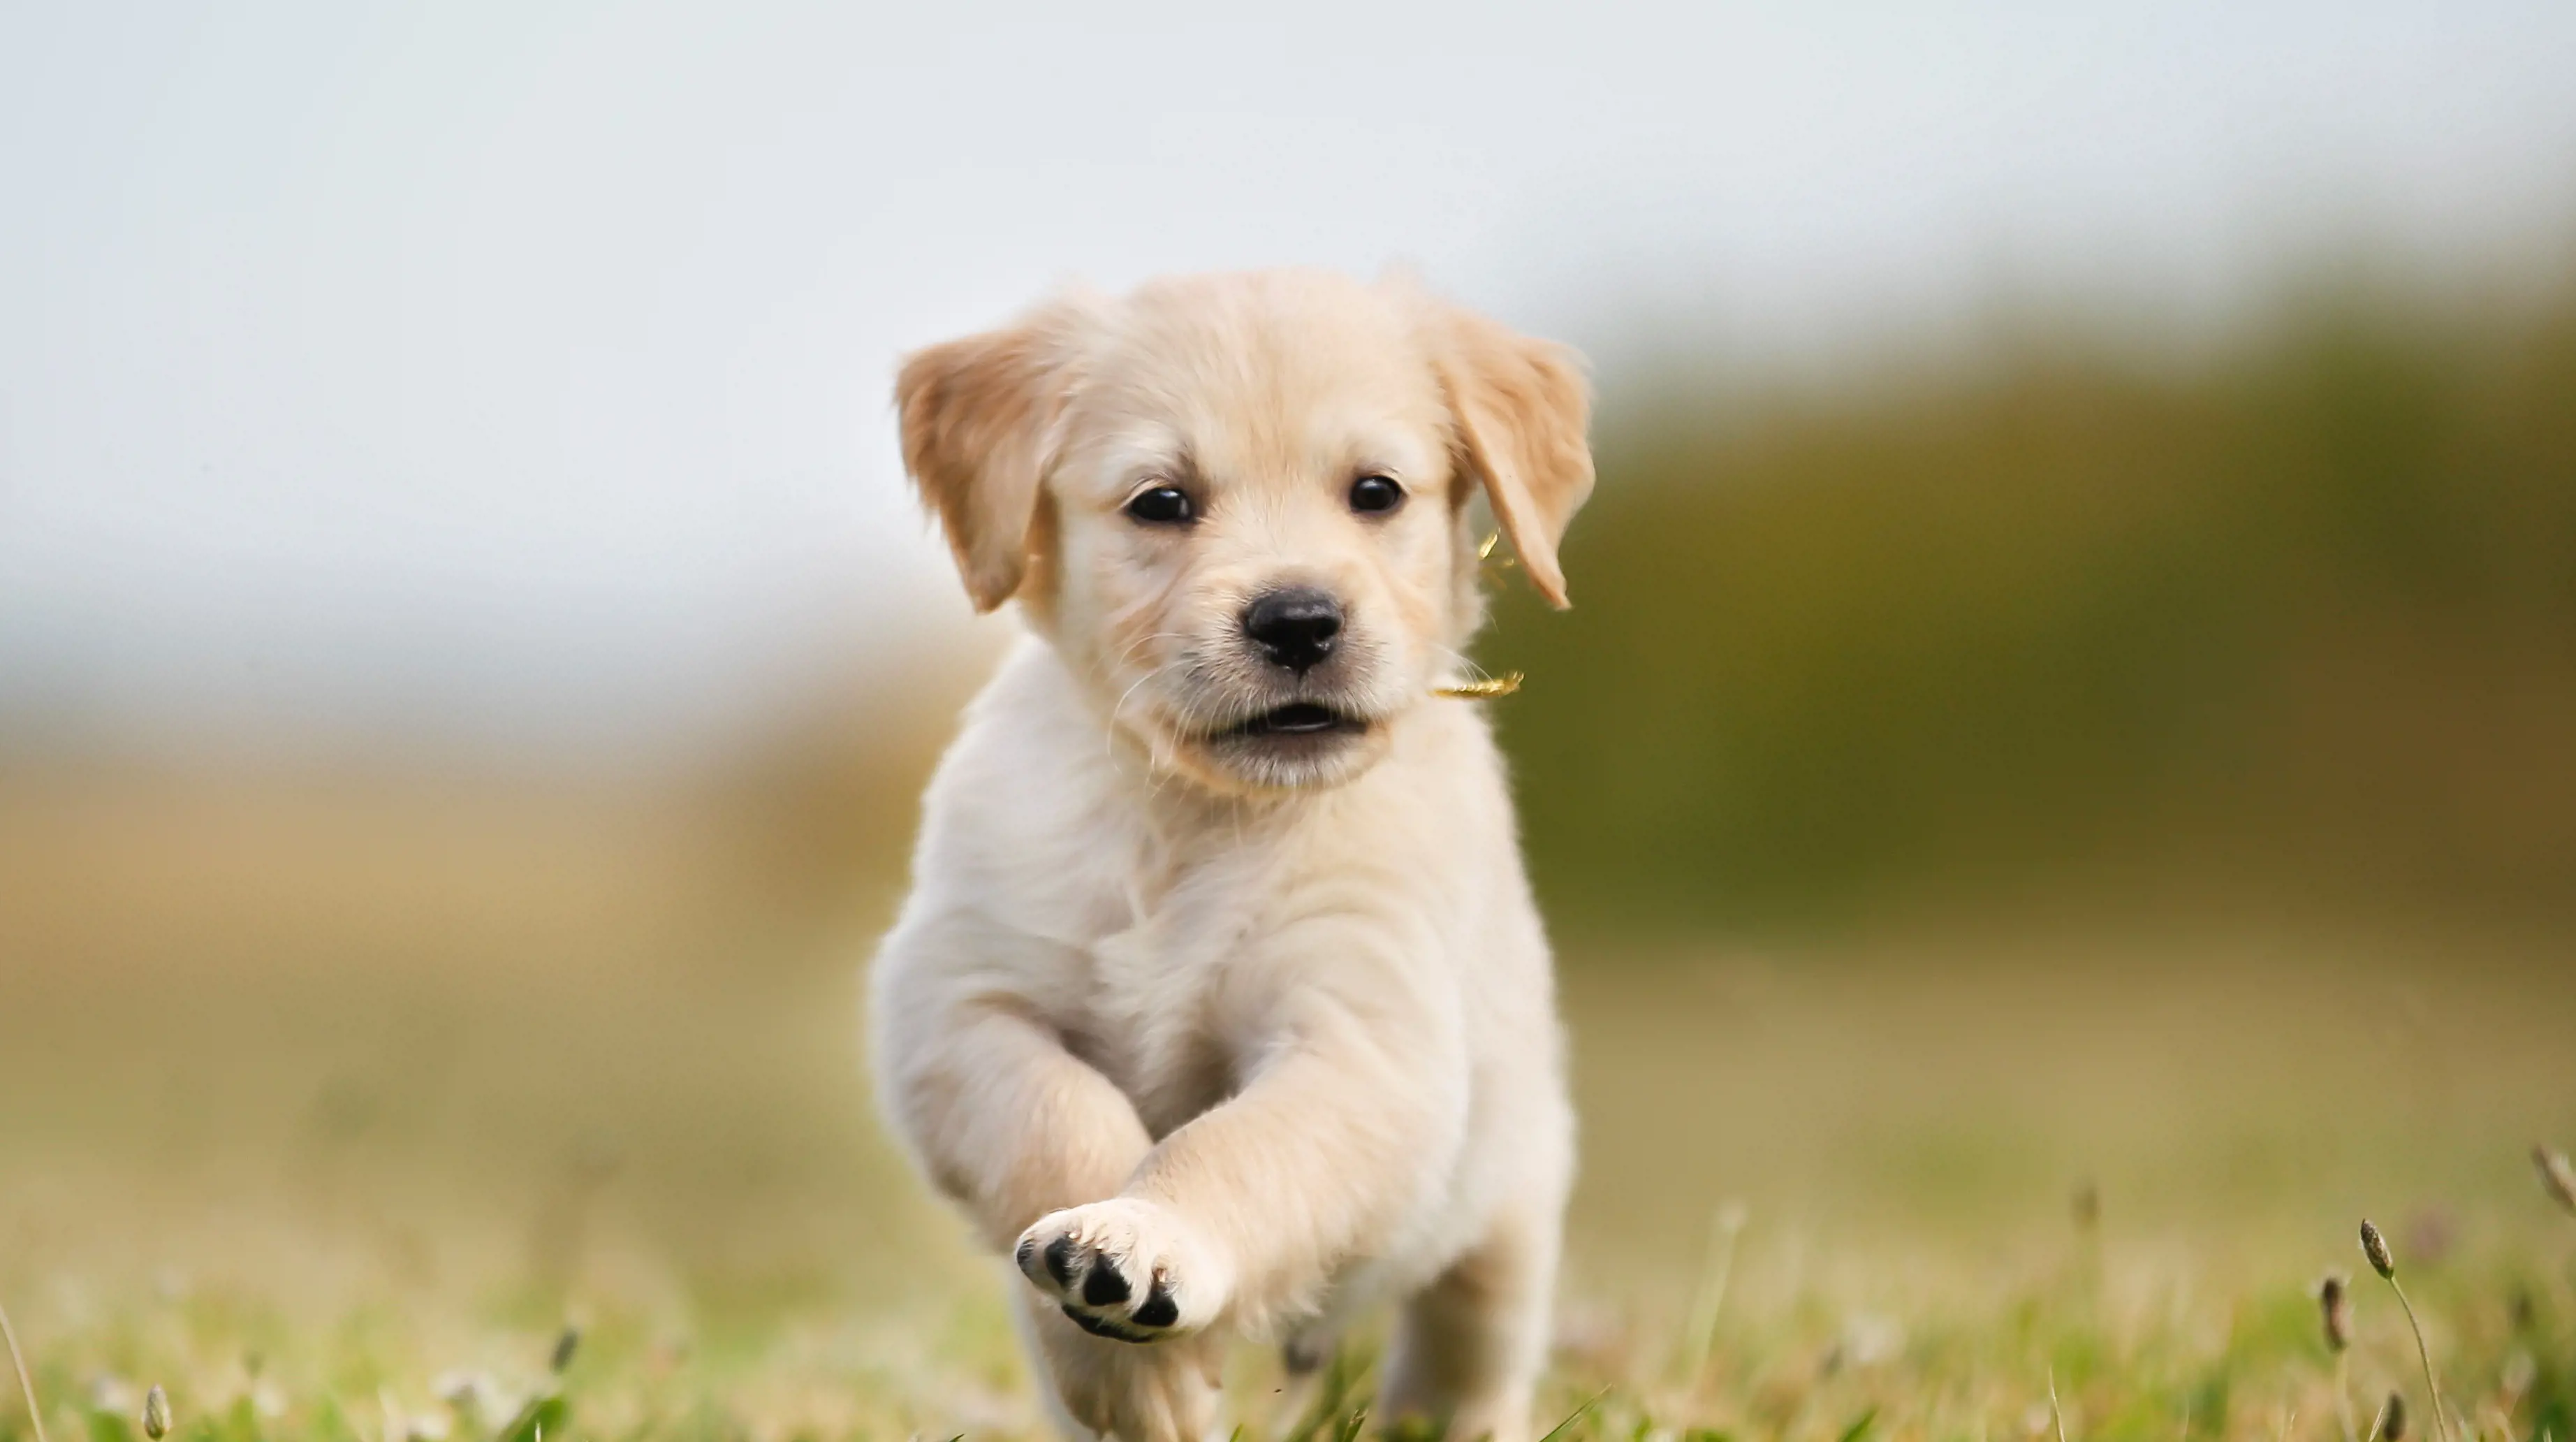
2375	1247
1725	1225
26	1385
2334	1304
2391	1426
1486	689
2334	1301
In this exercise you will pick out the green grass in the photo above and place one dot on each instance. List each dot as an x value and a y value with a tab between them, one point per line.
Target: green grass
686	1171
2133	1345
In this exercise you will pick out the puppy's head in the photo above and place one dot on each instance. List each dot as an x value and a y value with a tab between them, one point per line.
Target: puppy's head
1238	505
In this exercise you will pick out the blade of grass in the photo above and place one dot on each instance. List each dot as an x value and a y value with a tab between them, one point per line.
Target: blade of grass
1339	1382
2423	1350
1571	1417
26	1386
1725	1225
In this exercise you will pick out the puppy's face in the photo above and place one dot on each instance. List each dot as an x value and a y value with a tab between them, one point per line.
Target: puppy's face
1237	505
1256	538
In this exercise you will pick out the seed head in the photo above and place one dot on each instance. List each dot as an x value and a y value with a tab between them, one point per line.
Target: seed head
2375	1247
156	1414
2334	1300
2557	1176
1482	690
2392	1420
565	1346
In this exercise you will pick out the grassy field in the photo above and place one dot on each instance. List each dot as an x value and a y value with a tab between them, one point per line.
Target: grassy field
332	1139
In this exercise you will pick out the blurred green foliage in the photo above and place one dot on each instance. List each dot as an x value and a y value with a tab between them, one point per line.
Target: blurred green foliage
2294	610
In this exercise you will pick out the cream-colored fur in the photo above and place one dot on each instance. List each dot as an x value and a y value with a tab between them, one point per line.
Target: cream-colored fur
1220	1030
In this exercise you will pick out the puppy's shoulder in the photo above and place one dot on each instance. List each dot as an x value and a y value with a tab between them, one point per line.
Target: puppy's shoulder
1026	788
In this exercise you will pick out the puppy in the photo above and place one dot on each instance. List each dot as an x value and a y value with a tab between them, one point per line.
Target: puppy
1219	1002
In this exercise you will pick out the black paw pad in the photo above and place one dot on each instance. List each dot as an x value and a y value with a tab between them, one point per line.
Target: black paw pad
1059	1261
1159	1309
1102	1326
1104	1286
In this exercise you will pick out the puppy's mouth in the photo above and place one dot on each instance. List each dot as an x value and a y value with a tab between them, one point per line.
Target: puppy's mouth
1290	745
1298	718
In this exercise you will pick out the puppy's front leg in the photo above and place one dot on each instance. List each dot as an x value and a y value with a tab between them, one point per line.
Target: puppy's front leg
1006	1121
1351	1116
1011	1125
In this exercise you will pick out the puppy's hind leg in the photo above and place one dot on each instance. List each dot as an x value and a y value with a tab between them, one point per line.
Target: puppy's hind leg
1469	1347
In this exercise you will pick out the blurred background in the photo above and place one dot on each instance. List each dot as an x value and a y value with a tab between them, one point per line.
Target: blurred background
2073	682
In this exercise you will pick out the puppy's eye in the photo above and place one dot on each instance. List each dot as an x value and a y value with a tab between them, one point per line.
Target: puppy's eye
1372	494
1163	506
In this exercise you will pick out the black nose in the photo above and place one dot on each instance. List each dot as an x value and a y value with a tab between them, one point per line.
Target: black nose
1295	625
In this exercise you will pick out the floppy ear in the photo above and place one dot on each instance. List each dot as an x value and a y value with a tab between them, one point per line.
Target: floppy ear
978	417
1522	406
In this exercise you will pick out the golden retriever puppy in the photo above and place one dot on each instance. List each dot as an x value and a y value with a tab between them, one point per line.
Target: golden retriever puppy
1219	1003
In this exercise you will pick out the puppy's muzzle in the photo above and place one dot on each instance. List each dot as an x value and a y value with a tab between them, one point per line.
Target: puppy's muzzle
1296	627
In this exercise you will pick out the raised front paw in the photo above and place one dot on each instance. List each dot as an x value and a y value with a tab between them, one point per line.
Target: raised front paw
1126	1269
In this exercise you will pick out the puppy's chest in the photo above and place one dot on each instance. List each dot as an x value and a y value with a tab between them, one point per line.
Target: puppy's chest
1162	1002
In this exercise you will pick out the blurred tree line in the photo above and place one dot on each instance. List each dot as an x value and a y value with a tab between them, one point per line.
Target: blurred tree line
2293	615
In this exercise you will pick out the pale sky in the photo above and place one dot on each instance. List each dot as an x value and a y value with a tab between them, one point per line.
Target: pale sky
515	374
